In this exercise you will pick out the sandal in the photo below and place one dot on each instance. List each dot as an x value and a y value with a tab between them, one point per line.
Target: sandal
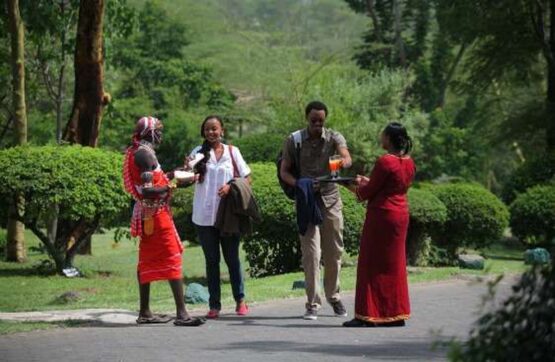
155	319
189	322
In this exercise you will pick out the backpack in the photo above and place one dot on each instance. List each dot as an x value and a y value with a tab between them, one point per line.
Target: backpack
287	189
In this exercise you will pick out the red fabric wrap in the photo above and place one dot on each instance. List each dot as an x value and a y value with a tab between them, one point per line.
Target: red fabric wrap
159	253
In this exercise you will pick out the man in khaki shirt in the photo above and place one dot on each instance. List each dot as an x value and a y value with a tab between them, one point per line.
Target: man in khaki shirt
318	144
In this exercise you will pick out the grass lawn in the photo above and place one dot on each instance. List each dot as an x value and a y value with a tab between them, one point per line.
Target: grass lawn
110	280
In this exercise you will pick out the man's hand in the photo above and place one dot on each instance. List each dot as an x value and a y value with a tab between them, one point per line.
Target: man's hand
224	190
361	180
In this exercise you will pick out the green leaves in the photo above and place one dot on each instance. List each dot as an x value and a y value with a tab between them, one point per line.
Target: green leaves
83	181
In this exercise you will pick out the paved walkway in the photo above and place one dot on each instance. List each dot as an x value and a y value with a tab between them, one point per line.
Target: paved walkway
273	332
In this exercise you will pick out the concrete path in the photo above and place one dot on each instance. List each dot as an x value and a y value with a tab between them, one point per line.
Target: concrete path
273	332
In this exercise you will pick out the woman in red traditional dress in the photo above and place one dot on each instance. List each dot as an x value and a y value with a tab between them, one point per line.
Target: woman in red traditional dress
382	297
160	248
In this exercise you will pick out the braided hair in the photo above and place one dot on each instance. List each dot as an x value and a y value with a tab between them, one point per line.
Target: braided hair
399	138
200	167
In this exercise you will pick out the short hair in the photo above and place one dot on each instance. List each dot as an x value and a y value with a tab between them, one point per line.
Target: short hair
317	105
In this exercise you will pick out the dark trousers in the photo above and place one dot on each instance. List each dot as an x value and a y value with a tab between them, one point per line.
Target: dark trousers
210	241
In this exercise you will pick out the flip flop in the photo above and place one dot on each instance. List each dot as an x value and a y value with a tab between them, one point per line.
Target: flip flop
190	322
155	319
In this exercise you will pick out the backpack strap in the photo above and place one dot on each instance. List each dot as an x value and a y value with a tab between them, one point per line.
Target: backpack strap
235	168
297	141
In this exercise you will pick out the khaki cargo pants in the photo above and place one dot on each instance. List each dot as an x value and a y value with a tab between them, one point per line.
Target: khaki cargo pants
323	242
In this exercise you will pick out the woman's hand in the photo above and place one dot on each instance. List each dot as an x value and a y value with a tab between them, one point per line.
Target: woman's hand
361	180
186	164
224	190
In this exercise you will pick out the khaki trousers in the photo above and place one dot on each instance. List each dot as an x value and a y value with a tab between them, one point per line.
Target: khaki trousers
323	242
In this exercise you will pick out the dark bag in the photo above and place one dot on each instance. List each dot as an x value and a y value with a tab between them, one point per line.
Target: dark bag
295	169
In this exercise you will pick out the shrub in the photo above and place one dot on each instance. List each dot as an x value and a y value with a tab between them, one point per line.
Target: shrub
533	216
182	210
3	241
522	329
82	186
475	217
261	147
540	170
274	247
427	213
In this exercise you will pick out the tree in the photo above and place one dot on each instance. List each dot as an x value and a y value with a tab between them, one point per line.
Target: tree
15	247
89	97
82	183
515	41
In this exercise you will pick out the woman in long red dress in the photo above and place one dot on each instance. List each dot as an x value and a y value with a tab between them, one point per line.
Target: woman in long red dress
382	297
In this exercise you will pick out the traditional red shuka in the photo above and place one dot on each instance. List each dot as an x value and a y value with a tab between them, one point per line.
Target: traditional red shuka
160	248
382	289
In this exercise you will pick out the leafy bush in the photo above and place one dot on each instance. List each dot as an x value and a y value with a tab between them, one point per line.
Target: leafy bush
274	247
475	217
533	216
82	186
3	240
260	147
540	170
182	210
522	329
427	213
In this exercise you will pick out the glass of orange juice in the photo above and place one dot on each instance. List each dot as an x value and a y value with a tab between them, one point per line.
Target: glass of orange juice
335	164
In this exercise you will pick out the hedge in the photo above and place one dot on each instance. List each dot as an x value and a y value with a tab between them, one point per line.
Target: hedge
537	171
533	216
475	216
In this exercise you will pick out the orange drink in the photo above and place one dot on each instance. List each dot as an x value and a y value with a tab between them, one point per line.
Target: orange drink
335	164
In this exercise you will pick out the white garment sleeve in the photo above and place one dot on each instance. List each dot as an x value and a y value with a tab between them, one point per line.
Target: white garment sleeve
243	169
195	151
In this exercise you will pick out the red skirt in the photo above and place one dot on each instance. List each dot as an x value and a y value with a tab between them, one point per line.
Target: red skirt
382	288
160	253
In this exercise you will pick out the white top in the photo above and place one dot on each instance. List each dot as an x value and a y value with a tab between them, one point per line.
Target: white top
218	173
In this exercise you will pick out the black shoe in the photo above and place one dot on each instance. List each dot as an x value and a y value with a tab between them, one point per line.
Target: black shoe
339	309
358	323
400	323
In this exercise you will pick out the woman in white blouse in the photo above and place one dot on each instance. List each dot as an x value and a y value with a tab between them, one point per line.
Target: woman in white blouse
220	164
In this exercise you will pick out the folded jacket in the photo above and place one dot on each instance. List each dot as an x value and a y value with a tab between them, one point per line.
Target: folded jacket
238	210
308	211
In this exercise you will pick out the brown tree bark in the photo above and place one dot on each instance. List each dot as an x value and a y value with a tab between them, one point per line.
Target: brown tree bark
15	247
89	98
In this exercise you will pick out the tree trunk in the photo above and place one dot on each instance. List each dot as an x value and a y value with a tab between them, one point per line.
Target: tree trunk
15	248
375	20
550	130
89	98
401	53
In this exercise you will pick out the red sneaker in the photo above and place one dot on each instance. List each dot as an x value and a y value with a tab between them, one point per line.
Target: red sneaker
213	314
242	308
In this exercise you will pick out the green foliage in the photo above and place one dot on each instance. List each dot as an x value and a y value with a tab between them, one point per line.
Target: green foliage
182	210
533	216
427	214
274	246
475	217
538	170
3	240
522	329
80	185
261	147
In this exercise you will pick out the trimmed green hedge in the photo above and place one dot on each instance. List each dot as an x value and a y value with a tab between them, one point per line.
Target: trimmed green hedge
475	216
427	214
540	170
533	216
260	147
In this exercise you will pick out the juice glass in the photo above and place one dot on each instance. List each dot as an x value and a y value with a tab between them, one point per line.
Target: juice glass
335	164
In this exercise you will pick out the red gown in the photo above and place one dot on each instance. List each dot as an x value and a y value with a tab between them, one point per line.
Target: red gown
160	253
382	288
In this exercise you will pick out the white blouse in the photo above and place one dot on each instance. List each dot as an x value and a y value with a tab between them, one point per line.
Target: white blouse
218	173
